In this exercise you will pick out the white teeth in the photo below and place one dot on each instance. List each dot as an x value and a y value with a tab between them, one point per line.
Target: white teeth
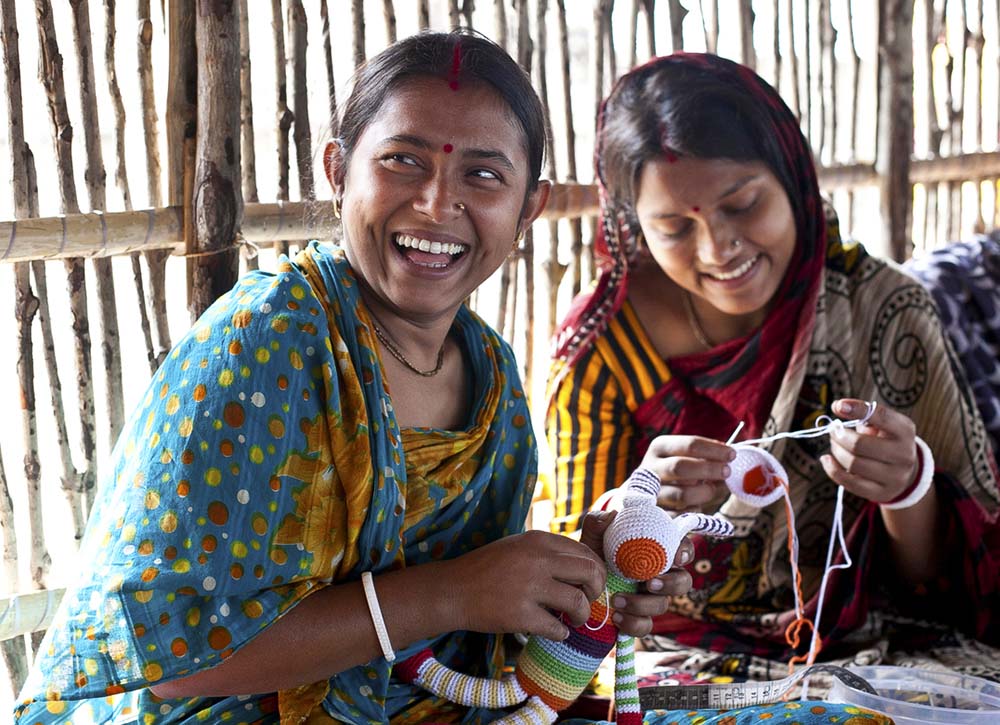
425	245
738	272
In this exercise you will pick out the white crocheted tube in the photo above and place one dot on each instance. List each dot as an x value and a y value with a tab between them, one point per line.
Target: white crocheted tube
925	482
376	611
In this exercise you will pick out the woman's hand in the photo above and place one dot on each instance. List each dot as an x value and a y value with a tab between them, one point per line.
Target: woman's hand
633	613
692	470
515	584
876	461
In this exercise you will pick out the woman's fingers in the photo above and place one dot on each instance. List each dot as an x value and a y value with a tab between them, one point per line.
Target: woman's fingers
689	494
691	446
681	468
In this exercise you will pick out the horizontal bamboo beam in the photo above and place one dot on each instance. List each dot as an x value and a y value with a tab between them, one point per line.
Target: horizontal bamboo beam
26	613
964	167
101	235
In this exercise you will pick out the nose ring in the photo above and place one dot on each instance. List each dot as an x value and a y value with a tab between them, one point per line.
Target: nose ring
736	243
460	206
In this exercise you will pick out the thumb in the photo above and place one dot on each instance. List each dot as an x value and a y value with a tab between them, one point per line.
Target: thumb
595	523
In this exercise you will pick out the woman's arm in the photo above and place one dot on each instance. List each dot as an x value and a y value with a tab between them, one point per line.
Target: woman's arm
510	585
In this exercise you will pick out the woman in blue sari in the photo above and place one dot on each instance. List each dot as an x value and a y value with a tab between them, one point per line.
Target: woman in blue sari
332	469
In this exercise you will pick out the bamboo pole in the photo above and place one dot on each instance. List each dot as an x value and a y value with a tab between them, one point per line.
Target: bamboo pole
828	66
248	155
748	55
302	135
14	652
78	489
609	38
793	59
710	23
358	18
467	8
633	32
677	14
95	179
95	234
389	13
776	44
23	614
955	105
852	115
454	14
155	261
121	175
283	118
424	14
218	201
500	23
808	75
977	43
331	84
650	9
576	226
895	124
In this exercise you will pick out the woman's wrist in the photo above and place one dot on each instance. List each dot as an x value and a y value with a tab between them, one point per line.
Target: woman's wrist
922	482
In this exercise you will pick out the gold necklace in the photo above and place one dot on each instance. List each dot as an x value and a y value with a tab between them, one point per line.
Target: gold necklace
696	328
398	354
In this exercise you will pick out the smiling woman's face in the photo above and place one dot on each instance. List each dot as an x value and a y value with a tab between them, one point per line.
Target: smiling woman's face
691	210
434	195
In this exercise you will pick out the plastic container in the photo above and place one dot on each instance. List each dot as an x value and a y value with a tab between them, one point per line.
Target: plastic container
911	696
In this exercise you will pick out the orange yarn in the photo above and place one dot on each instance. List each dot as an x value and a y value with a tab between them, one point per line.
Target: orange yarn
641	558
793	632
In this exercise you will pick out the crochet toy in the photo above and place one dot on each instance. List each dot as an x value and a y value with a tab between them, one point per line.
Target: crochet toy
639	545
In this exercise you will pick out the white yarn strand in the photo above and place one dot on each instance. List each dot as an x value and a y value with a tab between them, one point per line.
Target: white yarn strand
376	612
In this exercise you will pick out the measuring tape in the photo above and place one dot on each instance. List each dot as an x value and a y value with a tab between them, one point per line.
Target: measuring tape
742	694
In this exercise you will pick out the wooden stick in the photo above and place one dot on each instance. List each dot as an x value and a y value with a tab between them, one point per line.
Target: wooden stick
633	30
677	13
710	23
284	115
467	8
576	226
22	614
358	18
649	6
500	23
331	84
852	114
424	14
297	30
248	155
50	72
793	59
977	43
746	17
14	651
776	45
389	13
218	200
454	14
895	124
155	261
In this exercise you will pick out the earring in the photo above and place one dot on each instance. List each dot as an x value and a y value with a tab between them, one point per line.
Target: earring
736	243
336	207
460	206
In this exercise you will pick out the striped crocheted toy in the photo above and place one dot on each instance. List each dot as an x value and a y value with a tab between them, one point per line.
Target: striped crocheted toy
639	545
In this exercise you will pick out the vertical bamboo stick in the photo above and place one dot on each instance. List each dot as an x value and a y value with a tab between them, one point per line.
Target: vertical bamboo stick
609	38
935	133
828	84
389	13
14	652
710	23
283	118
95	179
121	175
748	55
182	98
575	225
248	155
776	45
793	58
895	124
525	53
633	32
650	8
677	13
297	32
358	18
424	14
218	198
808	73
156	261
852	114
467	7
500	23
454	14
956	119
553	269
79	488
977	43
331	83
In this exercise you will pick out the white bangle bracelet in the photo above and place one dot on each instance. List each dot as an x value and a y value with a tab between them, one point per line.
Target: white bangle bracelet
925	482
376	611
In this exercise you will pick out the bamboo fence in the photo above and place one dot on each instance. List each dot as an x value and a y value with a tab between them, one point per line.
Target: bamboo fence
919	170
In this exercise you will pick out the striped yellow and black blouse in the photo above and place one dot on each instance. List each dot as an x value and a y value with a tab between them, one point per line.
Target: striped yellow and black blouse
589	426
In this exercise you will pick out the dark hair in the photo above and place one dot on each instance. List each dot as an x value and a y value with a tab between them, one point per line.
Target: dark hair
684	109
440	55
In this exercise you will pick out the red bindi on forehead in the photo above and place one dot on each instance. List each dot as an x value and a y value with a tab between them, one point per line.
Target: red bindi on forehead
696	209
448	148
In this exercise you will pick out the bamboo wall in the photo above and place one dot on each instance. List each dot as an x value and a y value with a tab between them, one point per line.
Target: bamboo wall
211	169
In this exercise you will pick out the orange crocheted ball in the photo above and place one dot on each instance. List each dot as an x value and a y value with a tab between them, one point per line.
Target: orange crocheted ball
641	558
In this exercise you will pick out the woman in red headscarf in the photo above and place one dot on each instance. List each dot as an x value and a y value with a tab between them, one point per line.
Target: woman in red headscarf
726	295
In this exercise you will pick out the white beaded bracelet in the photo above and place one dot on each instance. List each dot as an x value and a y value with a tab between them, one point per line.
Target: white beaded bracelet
923	485
376	611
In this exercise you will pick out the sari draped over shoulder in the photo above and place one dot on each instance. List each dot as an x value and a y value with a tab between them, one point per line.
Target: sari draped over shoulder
845	324
265	463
